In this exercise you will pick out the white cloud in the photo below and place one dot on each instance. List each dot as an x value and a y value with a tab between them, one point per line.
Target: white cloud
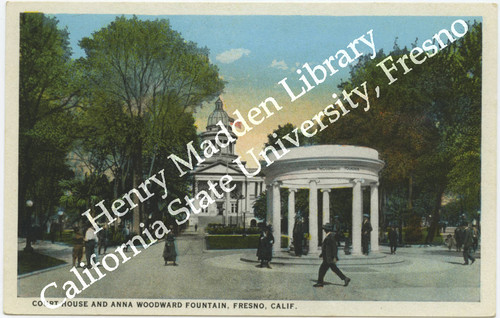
279	64
232	55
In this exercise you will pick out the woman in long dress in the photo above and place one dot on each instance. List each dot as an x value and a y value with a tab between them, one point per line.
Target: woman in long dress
265	248
169	252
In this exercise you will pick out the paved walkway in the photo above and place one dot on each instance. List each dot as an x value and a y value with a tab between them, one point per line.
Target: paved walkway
414	274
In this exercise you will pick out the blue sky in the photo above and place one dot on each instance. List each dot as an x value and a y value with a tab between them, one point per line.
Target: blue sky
255	52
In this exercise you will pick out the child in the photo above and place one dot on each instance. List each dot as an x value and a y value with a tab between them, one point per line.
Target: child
450	242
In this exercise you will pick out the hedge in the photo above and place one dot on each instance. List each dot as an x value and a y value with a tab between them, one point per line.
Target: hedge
216	242
214	229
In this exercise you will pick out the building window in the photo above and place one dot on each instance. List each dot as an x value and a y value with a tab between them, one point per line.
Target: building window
234	208
204	210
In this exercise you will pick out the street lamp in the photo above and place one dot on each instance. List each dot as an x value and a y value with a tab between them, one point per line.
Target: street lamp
60	214
28	248
244	223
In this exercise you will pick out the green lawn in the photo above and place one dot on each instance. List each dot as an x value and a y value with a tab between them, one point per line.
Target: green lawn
30	262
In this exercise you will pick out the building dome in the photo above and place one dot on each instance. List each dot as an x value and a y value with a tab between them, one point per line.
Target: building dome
218	115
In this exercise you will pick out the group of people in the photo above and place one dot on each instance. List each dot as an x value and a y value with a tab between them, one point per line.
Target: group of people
89	241
465	239
459	238
329	251
96	244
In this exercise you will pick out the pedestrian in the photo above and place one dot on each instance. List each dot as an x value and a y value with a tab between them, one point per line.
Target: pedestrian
393	238
53	230
196	227
90	243
103	237
126	235
475	237
366	229
459	237
77	246
169	251
96	247
468	242
265	248
330	257
337	230
298	237
450	241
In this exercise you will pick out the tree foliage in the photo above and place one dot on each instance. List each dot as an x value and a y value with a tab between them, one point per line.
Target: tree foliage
46	97
426	127
143	80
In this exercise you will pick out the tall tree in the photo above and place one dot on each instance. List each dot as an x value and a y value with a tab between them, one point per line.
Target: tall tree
426	126
46	94
149	71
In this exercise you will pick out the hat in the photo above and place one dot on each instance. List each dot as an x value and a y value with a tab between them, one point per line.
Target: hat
328	227
366	215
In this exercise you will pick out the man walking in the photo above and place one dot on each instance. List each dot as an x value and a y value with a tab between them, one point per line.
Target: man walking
330	257
468	242
393	239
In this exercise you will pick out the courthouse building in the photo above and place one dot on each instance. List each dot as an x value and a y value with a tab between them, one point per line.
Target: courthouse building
235	207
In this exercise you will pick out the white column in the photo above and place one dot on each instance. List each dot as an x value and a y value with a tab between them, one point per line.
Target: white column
291	214
276	217
326	205
313	216
228	208
357	213
212	208
269	201
242	206
374	216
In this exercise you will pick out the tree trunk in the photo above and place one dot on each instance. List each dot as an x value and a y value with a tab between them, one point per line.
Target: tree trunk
410	193
434	227
136	180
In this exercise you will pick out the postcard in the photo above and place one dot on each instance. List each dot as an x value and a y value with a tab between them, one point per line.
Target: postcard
250	159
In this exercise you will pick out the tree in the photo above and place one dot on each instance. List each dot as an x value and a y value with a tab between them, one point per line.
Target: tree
260	206
152	74
46	95
288	128
426	127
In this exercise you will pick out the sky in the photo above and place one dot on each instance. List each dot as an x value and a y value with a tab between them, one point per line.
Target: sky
254	53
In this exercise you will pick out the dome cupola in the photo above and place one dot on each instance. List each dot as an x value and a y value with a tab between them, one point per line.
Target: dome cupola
218	115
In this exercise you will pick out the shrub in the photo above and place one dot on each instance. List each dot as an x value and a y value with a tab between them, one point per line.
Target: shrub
218	229
413	233
215	242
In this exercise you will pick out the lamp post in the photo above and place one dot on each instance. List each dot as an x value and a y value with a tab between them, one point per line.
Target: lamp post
60	213
244	223
28	248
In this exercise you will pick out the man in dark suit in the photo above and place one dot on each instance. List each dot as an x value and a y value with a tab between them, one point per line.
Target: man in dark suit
393	239
468	242
329	254
366	229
